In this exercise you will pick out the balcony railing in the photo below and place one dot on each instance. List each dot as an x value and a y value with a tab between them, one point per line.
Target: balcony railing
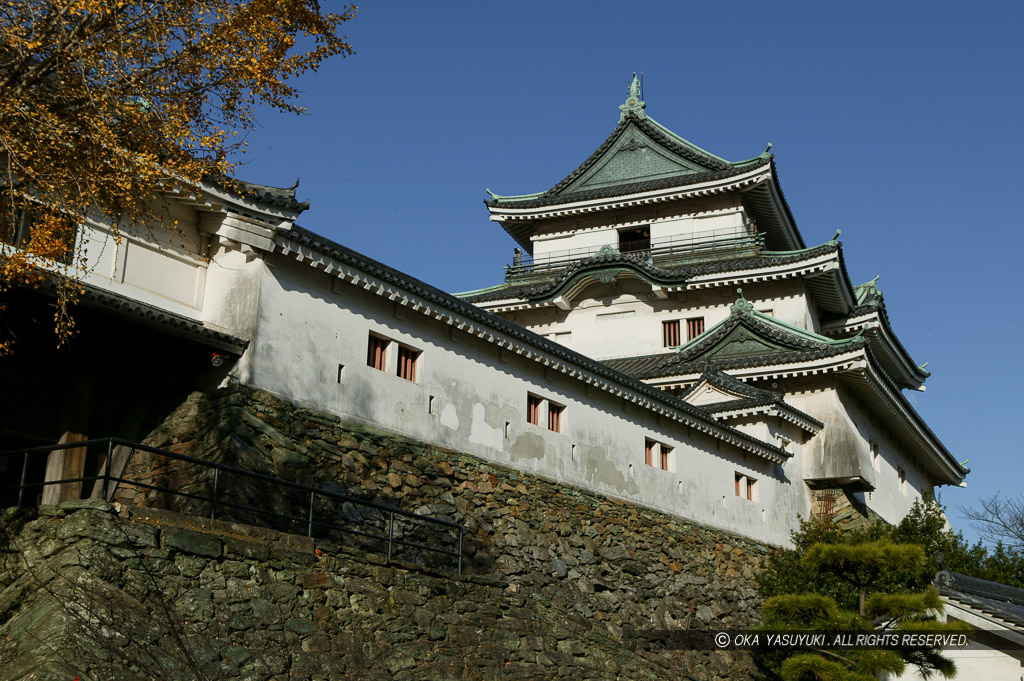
666	251
214	489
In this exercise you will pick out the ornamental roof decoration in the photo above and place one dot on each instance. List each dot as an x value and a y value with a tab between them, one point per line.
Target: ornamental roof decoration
634	104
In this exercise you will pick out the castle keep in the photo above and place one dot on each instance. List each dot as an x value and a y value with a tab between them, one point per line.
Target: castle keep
664	336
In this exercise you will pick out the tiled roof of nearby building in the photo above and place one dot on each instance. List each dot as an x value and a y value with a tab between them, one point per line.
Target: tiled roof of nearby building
998	600
279	197
319	244
545	289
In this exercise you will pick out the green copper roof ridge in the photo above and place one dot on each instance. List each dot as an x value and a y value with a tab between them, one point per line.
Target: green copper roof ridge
686	142
796	330
486	289
797	251
513	197
682	140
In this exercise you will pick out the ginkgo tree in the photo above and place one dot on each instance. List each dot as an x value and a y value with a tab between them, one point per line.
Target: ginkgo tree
105	101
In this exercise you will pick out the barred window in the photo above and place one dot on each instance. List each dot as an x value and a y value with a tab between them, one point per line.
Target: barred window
670	334
694	327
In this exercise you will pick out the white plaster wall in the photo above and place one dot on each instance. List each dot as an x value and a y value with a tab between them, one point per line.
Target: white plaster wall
308	326
597	332
889	500
152	264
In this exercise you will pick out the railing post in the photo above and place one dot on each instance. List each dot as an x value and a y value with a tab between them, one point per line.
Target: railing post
213	499
106	469
312	496
460	550
391	534
24	471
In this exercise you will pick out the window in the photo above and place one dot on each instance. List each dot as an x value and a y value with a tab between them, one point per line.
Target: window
656	454
555	417
633	240
903	480
876	461
555	413
533	409
694	327
407	363
746	487
377	355
670	334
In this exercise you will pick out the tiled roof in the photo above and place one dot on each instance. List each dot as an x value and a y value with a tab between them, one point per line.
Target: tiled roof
999	600
714	168
755	397
544	289
279	197
780	343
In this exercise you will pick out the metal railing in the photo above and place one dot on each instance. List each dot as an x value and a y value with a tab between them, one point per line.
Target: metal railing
667	249
316	520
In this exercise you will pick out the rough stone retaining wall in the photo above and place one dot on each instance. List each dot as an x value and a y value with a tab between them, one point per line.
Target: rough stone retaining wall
555	577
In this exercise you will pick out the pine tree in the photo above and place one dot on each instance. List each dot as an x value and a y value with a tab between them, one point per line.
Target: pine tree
854	584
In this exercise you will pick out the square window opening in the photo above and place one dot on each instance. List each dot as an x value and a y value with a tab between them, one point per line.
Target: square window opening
635	240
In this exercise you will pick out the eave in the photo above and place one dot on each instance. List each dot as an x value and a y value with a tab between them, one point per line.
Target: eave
888	350
877	391
518	222
824	271
781	410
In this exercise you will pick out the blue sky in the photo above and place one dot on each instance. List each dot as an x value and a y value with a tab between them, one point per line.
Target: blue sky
899	123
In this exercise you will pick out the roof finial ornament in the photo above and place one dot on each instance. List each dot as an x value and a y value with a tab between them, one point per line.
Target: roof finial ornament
634	104
742	305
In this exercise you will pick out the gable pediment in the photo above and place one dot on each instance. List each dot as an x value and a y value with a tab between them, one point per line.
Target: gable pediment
741	342
633	157
705	393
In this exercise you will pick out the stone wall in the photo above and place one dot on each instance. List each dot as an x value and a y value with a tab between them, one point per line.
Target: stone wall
555	578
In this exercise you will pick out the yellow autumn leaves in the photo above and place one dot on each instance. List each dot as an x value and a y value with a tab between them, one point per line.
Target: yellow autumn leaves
105	101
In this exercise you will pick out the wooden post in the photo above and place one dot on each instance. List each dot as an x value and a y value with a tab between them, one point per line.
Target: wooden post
69	463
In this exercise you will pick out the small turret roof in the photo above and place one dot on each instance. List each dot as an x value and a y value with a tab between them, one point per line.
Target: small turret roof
672	161
743	339
642	157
